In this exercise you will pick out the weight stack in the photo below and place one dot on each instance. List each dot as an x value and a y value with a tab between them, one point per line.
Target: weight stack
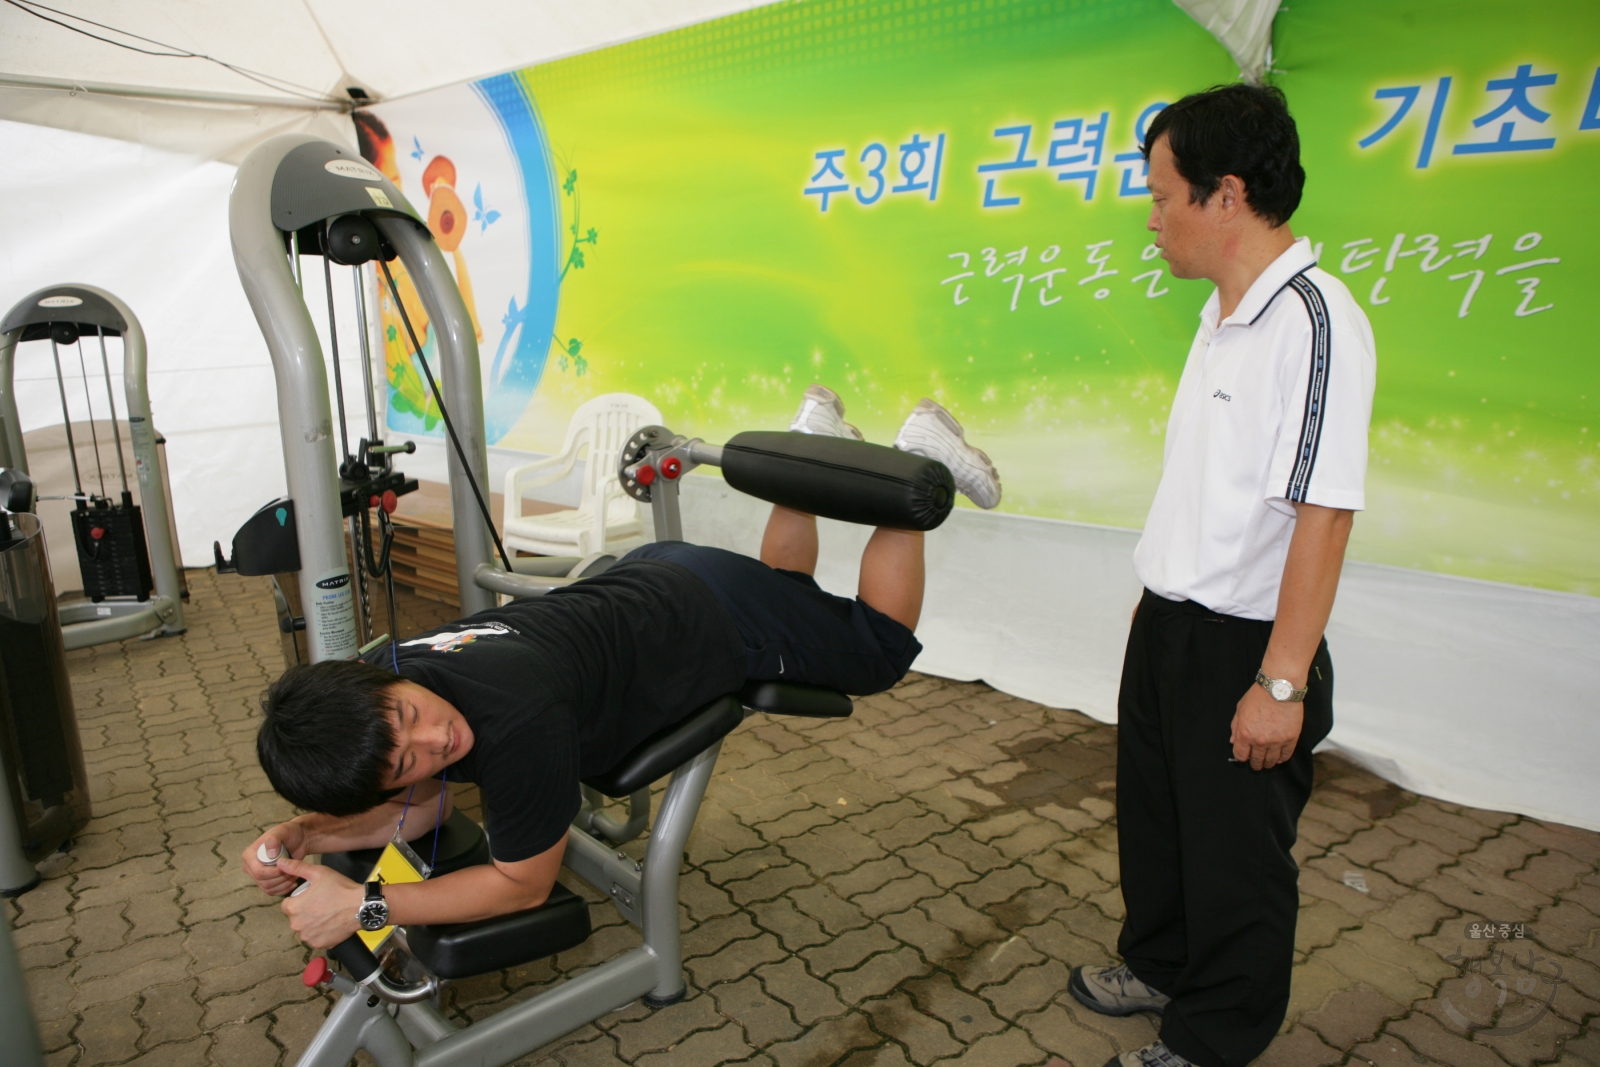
40	753
111	551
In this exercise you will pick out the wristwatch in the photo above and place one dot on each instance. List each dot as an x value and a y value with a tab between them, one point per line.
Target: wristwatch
374	911
1282	690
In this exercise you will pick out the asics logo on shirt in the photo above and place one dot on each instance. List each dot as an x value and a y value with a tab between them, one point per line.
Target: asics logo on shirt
451	642
1220	395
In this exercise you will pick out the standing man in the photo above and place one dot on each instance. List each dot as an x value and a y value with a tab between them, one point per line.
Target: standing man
1227	685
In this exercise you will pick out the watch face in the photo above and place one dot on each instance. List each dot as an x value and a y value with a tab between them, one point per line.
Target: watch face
374	915
1282	689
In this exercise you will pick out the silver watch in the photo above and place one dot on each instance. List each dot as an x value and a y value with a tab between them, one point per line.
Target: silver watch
1281	689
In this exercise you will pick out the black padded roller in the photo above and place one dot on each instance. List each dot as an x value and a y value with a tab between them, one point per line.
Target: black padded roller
851	481
356	957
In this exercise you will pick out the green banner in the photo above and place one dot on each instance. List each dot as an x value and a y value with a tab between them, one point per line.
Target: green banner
909	198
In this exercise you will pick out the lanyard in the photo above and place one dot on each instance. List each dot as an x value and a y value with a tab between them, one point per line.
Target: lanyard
438	824
394	654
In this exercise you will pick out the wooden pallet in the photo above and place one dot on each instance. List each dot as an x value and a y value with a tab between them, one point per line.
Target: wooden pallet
424	552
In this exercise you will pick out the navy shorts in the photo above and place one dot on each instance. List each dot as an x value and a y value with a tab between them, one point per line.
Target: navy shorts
793	631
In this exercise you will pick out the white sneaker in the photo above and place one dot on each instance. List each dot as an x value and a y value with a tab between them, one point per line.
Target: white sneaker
1113	990
822	413
933	432
1156	1055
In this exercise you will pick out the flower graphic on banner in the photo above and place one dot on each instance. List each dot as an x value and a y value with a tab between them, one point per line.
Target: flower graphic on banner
571	347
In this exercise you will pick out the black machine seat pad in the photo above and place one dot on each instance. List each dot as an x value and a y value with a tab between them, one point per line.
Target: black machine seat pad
666	750
460	950
795	698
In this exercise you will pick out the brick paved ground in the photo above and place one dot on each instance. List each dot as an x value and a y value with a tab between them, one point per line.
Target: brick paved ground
909	886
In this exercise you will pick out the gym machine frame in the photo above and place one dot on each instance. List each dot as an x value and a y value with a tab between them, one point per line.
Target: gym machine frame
89	310
286	190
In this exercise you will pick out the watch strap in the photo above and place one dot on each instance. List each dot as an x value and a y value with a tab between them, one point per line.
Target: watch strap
374	890
1295	695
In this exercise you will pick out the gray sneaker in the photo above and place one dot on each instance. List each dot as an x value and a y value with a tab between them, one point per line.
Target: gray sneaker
822	413
934	433
1156	1055
1113	990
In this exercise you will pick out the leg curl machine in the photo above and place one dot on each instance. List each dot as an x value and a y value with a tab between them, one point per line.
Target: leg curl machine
295	184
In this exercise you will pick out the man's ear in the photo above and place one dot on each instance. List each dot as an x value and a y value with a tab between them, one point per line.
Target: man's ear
1230	197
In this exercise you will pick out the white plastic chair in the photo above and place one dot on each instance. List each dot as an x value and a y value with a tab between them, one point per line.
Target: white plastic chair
606	519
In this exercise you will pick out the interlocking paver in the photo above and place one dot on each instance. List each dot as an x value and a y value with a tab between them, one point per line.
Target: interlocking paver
849	949
764	1018
908	886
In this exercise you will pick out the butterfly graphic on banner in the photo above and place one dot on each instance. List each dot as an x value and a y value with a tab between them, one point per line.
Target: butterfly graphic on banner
479	215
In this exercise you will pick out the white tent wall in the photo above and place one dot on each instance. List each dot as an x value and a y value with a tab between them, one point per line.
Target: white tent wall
150	226
310	52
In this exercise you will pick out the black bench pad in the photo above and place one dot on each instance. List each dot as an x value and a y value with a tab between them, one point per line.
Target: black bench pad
460	950
793	698
666	750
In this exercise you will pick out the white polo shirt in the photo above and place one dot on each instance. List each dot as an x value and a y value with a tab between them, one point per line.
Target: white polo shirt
1272	408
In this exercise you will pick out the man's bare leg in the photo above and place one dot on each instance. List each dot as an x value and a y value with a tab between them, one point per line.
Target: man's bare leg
892	568
790	542
893	574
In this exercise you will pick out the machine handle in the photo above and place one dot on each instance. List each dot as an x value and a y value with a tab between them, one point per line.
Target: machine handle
356	957
352	952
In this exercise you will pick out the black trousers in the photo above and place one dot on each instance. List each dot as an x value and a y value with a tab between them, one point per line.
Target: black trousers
1208	880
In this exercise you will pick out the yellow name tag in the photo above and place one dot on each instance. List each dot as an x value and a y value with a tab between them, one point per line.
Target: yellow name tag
394	867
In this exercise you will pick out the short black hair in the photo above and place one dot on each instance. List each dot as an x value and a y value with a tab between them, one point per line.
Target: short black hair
1243	130
325	741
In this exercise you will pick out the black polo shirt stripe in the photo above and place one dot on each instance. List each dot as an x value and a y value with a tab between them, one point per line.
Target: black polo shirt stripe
1316	389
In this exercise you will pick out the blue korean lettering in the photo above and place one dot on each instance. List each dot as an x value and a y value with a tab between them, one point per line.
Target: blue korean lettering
875	172
917	149
1591	110
1021	162
1086	135
1408	95
1140	126
1516	89
829	160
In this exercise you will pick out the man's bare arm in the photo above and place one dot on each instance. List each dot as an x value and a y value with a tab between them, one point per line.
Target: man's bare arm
1265	731
325	914
314	832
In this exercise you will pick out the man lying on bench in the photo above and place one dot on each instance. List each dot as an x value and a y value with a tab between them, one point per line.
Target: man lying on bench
528	699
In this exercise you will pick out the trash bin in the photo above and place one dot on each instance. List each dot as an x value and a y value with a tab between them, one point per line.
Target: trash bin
39	748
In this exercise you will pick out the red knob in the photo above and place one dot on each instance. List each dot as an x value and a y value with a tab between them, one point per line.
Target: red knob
316	972
671	467
97	532
645	475
372	501
390	501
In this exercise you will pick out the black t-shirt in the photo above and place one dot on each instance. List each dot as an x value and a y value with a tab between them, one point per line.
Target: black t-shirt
561	686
